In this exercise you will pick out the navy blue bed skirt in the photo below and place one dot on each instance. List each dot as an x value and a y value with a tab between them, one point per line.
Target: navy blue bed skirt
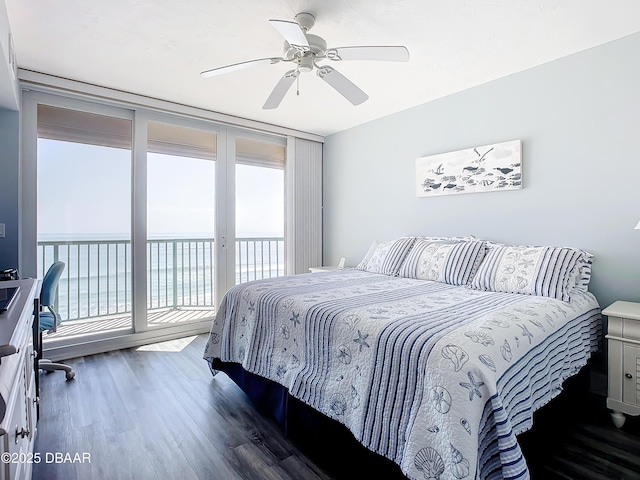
325	441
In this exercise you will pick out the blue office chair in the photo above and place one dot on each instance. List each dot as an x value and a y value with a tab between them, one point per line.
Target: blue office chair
50	319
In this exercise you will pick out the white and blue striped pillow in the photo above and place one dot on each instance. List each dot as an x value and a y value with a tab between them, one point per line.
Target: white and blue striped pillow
530	270
452	262
583	273
386	257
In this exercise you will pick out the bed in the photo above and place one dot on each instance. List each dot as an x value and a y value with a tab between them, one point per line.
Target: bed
434	354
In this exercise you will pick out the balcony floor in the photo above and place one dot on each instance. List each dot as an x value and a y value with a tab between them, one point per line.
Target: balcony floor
156	318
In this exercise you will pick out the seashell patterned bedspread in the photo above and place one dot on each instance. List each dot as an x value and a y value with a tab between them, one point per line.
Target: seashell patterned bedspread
438	378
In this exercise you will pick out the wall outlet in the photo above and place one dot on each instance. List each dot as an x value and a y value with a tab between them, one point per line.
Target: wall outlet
1	230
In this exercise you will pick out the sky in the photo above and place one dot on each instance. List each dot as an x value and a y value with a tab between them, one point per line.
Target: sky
85	191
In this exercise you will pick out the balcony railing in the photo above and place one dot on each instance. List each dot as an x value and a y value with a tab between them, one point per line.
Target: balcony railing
180	272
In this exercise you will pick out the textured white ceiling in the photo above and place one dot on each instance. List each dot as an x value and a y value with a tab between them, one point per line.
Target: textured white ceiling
158	48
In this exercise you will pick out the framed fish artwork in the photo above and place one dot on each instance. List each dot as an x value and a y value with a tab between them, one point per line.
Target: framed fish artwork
480	169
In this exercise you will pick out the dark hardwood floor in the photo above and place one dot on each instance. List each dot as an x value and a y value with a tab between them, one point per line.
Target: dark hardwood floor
156	413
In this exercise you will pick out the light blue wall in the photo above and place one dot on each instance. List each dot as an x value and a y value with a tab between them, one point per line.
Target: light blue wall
579	121
9	186
9	150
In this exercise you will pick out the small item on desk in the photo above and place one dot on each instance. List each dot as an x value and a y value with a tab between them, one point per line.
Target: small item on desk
9	274
6	297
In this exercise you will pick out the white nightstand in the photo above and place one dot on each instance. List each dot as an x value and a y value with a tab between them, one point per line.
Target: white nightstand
623	336
323	269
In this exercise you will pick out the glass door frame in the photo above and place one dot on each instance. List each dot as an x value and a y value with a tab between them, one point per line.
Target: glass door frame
29	184
139	212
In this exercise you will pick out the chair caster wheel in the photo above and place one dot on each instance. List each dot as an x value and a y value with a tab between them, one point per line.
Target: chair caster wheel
70	375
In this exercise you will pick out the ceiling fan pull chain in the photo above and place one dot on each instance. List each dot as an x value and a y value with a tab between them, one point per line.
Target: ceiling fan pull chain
297	82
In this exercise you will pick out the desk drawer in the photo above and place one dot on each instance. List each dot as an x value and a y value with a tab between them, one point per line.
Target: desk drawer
16	439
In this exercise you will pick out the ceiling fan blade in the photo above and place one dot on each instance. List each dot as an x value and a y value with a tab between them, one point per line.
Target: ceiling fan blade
292	33
343	85
239	66
387	54
280	90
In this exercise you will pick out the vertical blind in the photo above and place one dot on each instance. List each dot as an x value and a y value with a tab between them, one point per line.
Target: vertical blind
304	205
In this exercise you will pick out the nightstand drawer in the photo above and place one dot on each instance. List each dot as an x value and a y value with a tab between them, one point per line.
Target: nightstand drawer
631	373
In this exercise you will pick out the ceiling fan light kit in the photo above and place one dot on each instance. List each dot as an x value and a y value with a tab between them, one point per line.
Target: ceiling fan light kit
305	51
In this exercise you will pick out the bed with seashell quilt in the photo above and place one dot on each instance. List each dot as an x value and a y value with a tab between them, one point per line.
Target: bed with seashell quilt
438	376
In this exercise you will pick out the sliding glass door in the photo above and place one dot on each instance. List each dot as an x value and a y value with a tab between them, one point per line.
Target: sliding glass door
154	215
181	192
259	209
84	215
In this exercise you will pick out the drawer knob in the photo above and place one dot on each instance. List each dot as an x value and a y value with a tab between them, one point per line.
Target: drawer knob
628	375
23	432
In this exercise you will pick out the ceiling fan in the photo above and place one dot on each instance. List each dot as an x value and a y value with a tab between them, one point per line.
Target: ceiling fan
305	50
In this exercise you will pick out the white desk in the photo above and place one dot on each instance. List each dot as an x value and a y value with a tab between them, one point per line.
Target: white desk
18	390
